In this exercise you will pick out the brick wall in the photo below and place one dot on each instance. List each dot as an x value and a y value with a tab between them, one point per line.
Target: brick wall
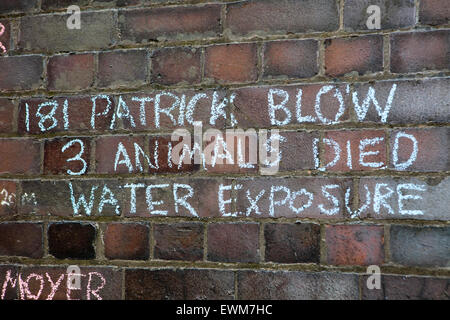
86	118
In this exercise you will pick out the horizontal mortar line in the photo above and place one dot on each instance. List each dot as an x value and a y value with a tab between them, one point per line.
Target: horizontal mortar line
239	219
428	75
259	267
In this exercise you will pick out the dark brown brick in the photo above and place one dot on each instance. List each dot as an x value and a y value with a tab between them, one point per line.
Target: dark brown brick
407	288
62	4
361	55
128	241
179	284
22	156
393	14
7	6
8	279
297	151
171	23
291	59
70	72
231	63
122	68
5	36
21	73
176	66
233	242
8	198
21	239
434	12
294	285
420	246
292	243
420	51
56	161
71	240
7	108
355	244
265	17
180	241
160	145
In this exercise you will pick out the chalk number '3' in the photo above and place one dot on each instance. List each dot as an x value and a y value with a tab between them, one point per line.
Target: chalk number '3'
2	31
77	157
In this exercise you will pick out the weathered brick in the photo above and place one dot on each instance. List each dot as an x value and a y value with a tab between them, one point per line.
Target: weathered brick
297	151
354	244
367	150
20	156
434	12
407	288
291	59
294	285
159	145
8	197
292	243
179	241
393	14
5	36
420	246
179	284
427	149
9	274
291	197
59	4
233	242
176	66
7	108
231	63
171	23
417	101
116	3
128	241
49	33
21	73
266	17
70	72
254	109
8	6
360	54
21	239
57	162
122	68
420	51
81	114
71	240
400	198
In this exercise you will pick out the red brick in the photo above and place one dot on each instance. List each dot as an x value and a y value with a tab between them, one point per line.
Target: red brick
231	63
346	55
265	17
107	148
72	240
358	147
432	149
21	73
253	108
292	243
407	287
295	285
5	36
21	239
70	72
393	14
434	12
160	144
297	150
128	241
233	242
291	59
420	51
20	156
8	6
354	244
56	161
8	198
7	108
419	246
176	66
171	23
122	68
179	241
179	284
79	114
49	33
